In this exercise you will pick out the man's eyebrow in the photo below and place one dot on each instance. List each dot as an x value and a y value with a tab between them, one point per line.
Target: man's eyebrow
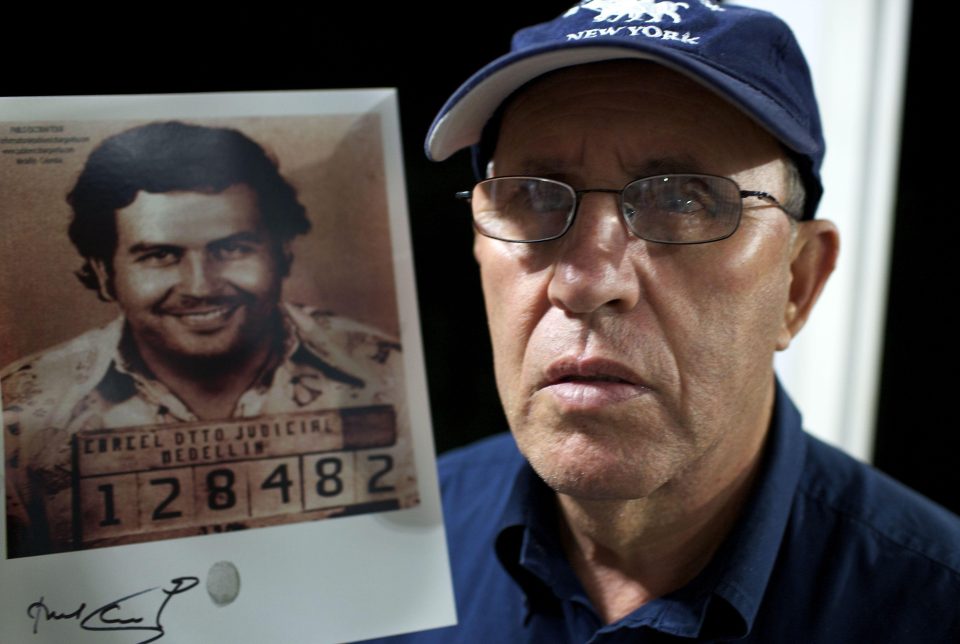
647	168
147	247
665	165
247	236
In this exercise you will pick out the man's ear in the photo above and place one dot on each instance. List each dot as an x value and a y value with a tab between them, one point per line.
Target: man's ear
104	281
813	257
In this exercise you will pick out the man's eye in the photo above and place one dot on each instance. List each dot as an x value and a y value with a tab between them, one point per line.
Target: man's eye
158	257
691	198
232	250
546	198
552	202
681	205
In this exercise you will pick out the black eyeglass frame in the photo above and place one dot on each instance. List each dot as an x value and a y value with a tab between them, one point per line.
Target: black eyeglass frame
467	195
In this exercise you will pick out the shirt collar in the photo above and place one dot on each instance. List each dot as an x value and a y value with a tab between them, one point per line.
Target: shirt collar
723	600
746	559
322	351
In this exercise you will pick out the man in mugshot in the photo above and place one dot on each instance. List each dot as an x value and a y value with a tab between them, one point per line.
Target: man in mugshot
188	229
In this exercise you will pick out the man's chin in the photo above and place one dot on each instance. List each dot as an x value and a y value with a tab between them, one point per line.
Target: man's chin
595	486
589	468
205	352
205	345
206	360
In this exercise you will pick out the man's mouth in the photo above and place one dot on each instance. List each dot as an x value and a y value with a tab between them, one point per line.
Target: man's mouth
203	318
583	384
596	378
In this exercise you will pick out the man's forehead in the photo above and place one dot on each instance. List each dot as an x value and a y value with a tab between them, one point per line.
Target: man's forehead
630	74
188	217
538	164
651	119
619	85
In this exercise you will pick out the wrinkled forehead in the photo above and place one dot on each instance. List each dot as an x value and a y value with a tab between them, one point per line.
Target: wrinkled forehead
609	85
627	75
641	110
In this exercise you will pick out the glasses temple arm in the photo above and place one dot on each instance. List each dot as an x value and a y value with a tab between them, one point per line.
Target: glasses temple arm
759	194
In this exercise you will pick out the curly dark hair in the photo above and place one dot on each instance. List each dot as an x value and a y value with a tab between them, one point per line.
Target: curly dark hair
168	157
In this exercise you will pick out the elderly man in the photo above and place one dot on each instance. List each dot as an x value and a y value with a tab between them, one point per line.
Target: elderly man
188	229
646	242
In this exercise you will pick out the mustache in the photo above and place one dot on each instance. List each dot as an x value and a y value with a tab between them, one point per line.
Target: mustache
182	304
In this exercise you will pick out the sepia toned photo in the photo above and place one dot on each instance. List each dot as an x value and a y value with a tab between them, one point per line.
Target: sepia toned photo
199	329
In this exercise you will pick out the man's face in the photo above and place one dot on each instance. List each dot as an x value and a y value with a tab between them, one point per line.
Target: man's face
196	274
625	365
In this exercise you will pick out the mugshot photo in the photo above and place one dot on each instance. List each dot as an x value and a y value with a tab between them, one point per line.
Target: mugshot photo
198	328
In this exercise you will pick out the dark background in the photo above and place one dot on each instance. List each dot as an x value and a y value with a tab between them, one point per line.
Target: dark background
344	47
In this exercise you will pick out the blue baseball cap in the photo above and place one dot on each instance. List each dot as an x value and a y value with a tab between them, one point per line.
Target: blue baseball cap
746	56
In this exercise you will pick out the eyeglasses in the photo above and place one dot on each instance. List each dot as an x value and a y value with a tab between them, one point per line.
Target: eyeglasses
667	209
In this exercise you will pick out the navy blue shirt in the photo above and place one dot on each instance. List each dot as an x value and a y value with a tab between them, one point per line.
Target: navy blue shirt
827	549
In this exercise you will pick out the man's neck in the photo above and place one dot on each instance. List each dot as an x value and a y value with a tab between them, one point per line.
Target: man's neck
214	393
628	552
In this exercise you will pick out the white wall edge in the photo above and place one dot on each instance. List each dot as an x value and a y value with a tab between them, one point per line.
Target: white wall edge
857	50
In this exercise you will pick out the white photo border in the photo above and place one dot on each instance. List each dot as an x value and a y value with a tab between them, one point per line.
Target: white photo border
317	581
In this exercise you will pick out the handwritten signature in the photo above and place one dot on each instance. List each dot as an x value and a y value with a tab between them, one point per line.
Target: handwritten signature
111	616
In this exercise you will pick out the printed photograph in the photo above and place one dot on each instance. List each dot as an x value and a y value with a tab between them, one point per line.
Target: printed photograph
198	329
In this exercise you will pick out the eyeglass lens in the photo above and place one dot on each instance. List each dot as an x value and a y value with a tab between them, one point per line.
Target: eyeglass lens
677	208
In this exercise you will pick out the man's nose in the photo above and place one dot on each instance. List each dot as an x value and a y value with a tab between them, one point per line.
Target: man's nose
198	274
594	267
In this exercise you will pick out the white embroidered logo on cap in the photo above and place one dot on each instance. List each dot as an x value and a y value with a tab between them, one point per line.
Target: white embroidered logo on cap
632	10
645	11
